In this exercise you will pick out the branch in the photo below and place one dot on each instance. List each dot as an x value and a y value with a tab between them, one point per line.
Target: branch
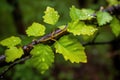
47	39
2	57
114	10
27	48
13	64
2	61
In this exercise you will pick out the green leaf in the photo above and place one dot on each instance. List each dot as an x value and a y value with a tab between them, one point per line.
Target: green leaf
11	41
103	18
42	57
115	26
79	28
36	29
13	53
83	14
113	2
62	27
51	16
71	49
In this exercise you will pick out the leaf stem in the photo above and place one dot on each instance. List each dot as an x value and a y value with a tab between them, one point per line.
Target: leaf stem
47	38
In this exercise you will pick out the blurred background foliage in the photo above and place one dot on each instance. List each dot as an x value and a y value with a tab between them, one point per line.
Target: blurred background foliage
17	15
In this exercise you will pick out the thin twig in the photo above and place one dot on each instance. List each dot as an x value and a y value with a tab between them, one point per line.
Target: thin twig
54	35
2	57
13	64
29	47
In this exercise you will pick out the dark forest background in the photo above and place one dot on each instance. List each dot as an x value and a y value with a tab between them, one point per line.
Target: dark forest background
103	59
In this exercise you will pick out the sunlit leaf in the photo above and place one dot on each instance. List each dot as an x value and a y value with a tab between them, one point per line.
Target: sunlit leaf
113	2
80	28
83	14
115	26
103	18
62	26
71	49
51	16
36	29
13	53
42	57
11	41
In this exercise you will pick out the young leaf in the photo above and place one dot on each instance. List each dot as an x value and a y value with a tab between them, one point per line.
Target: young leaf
11	41
113	2
61	27
36	29
79	28
83	14
51	16
115	26
71	49
43	57
13	53
103	18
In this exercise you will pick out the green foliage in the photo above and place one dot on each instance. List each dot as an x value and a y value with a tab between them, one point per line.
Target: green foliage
61	27
80	28
11	41
113	2
103	18
51	16
71	49
36	29
25	72
13	53
83	14
42	57
115	26
33	10
104	36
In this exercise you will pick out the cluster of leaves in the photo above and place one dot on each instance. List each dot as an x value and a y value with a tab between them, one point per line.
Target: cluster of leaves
13	52
67	45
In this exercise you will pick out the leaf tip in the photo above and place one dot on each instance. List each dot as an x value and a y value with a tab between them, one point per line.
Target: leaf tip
51	16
